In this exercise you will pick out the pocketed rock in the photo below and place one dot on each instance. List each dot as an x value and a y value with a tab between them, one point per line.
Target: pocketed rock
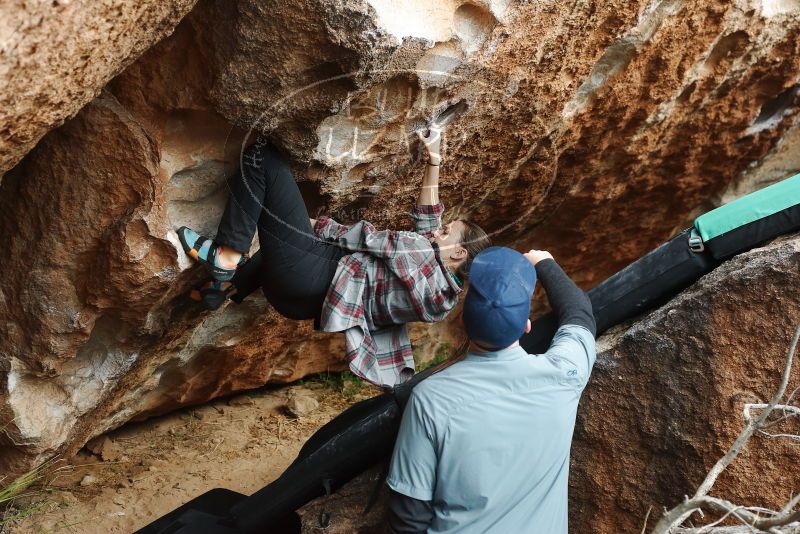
665	400
591	129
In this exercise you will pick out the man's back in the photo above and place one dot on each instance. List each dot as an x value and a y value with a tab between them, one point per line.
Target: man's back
484	444
487	440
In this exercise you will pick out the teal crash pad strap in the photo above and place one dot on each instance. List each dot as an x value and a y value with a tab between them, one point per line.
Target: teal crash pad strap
750	208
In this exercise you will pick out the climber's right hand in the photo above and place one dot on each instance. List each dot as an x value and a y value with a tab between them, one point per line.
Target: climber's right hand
432	139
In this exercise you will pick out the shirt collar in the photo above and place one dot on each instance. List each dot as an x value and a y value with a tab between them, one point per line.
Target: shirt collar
509	353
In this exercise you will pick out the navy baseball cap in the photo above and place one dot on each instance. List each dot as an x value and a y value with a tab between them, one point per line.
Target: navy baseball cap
498	302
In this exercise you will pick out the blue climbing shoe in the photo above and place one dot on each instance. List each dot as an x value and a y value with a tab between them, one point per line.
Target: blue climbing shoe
206	252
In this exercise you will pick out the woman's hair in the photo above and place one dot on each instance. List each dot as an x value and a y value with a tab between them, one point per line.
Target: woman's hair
473	239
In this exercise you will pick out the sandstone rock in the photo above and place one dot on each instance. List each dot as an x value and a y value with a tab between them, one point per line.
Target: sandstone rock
552	147
103	447
302	405
687	369
592	130
665	402
347	506
98	280
57	56
88	480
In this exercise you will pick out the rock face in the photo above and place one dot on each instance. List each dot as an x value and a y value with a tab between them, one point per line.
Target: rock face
347	507
665	402
591	130
56	56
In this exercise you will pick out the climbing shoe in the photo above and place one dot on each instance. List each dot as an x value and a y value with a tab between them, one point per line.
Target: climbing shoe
206	252
213	294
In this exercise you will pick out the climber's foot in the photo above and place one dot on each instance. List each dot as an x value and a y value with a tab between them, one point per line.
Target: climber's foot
219	261
213	294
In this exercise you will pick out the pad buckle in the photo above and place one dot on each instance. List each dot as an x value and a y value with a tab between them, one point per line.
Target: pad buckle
695	241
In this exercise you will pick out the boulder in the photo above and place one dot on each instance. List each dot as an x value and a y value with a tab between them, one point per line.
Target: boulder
358	507
57	56
105	448
302	405
664	402
591	130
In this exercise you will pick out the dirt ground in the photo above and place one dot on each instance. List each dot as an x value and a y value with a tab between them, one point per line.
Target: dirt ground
144	470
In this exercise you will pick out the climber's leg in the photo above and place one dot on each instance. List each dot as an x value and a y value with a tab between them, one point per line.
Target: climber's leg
213	294
248	277
296	282
293	266
297	287
247	190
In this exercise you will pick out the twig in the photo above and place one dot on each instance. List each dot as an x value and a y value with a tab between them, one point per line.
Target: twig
791	504
646	517
740	442
680	513
221	441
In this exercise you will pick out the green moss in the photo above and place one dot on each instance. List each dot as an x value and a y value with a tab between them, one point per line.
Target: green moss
443	352
344	382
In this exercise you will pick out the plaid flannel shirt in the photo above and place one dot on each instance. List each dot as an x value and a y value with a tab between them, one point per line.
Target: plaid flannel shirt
391	278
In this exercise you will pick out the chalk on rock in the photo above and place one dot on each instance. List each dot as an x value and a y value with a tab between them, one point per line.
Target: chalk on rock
300	405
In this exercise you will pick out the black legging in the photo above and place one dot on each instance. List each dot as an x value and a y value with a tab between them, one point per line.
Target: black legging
293	267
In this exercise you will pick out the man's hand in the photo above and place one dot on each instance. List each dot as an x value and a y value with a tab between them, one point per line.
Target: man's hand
535	256
432	139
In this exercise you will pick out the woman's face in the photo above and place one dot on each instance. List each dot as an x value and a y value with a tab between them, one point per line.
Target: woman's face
448	237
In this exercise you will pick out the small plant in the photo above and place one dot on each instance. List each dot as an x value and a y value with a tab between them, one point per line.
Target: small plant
443	352
19	488
351	385
343	382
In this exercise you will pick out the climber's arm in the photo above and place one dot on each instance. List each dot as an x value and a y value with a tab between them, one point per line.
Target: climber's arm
429	194
427	212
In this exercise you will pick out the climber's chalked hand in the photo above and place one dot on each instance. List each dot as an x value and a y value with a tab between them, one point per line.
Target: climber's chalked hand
432	139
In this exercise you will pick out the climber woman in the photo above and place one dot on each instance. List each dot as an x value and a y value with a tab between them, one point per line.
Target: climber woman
354	279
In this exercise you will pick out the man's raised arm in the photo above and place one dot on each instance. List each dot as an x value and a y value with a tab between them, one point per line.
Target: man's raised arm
569	302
